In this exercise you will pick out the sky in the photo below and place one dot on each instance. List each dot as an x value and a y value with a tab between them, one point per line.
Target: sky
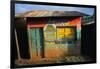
21	8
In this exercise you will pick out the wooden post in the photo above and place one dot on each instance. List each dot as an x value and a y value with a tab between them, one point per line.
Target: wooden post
17	45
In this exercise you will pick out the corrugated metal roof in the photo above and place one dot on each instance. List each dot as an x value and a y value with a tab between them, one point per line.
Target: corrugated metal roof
45	13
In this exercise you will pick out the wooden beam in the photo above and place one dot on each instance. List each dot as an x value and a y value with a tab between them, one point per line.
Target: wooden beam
18	52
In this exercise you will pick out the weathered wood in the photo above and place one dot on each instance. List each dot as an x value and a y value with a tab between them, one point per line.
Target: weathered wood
17	46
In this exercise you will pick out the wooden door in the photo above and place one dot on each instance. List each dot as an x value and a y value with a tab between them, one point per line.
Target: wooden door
36	39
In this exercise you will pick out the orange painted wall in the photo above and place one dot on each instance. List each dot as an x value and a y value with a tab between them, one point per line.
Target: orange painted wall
75	21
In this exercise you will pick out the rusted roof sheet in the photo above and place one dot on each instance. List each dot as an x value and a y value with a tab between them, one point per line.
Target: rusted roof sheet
45	13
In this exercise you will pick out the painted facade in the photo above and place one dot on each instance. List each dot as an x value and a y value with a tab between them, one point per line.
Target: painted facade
57	39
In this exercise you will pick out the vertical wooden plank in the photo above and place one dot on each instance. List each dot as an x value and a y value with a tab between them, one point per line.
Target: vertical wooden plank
38	41
34	42
30	42
17	46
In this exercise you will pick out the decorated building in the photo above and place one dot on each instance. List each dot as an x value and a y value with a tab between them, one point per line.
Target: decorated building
49	34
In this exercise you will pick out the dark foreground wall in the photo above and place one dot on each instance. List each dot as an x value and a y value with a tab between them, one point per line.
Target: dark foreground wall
21	29
89	40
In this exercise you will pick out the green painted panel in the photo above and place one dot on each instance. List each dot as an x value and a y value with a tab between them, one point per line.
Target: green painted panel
33	38
38	39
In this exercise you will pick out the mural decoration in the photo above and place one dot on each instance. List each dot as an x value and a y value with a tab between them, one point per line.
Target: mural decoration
46	36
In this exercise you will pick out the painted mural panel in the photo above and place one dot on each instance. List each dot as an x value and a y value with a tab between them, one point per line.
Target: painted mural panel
53	36
50	41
